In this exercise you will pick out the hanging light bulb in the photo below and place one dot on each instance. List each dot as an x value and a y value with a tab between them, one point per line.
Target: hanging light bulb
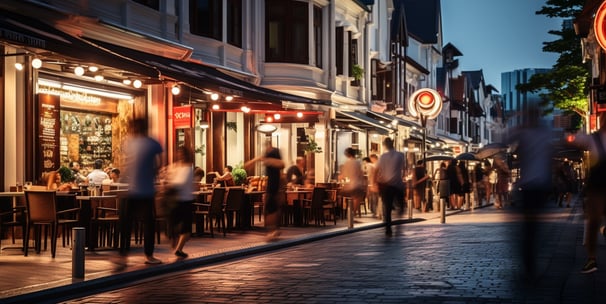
98	77
216	107
277	116
214	96
93	68
229	98
245	109
176	89
19	66
79	71
137	83
126	81
36	63
299	114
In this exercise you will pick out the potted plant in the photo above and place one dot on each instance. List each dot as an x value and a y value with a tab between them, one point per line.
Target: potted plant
312	147
239	175
357	72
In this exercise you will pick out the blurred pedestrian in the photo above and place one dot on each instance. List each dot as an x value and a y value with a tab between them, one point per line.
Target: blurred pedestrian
180	180
373	187
465	186
455	181
419	183
595	188
143	160
502	185
390	173
535	154
275	191
354	187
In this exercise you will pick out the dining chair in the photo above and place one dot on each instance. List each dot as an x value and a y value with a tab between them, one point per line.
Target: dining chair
41	210
105	221
11	217
233	206
317	207
205	213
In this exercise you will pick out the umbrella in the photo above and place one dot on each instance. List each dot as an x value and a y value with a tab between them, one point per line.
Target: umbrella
490	150
438	157
467	156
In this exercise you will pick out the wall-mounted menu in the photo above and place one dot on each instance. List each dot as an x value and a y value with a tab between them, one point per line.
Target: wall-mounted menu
47	145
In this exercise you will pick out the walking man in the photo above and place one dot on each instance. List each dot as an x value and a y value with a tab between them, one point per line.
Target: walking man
390	172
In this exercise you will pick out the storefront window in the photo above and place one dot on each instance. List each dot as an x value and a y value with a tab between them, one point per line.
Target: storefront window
85	137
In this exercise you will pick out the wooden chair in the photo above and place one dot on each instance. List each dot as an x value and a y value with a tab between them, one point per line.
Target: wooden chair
11	217
41	209
106	219
318	206
233	206
205	213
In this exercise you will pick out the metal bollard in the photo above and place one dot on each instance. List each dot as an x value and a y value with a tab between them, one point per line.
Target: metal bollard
350	214
443	210
78	237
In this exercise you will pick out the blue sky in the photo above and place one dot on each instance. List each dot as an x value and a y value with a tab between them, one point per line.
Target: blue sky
498	36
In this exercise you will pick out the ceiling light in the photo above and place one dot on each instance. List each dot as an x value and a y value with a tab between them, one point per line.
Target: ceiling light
216	107
93	68
214	96
266	129
19	66
176	89
229	98
79	71
36	63
245	109
299	114
137	83
98	77
269	119
277	116
126	81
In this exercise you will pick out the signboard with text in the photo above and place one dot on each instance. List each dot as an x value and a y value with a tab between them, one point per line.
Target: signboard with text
182	117
48	141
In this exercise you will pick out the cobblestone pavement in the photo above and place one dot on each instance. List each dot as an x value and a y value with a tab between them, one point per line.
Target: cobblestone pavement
473	258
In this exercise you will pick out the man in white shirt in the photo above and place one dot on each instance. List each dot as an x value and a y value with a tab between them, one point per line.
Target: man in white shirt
97	176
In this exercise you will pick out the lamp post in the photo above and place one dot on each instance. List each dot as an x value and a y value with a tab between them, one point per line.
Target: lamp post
425	104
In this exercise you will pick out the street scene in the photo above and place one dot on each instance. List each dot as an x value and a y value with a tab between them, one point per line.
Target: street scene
302	151
473	258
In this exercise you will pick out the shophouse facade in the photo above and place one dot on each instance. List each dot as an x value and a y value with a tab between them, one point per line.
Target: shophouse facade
335	72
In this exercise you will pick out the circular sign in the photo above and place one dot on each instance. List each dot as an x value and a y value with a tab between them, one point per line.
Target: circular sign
599	25
425	102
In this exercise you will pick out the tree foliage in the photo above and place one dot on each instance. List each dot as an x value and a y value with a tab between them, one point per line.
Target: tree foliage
566	85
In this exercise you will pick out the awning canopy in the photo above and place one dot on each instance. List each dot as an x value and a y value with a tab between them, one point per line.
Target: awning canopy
207	78
361	122
44	40
387	119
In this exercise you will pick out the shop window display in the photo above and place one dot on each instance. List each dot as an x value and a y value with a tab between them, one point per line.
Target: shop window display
85	137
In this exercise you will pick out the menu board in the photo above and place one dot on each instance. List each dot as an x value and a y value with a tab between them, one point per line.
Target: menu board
47	146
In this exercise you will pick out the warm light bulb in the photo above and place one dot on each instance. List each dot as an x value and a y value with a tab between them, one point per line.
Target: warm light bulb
98	77
176	90
277	116
79	71
36	63
299	114
126	81
137	83
229	98
19	66
93	68
245	109
214	96
216	107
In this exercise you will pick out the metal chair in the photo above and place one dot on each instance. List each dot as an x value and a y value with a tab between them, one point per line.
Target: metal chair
205	213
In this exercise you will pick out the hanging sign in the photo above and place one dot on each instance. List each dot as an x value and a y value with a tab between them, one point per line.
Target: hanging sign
182	117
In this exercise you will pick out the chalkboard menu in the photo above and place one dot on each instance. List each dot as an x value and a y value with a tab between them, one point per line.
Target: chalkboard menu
47	146
85	137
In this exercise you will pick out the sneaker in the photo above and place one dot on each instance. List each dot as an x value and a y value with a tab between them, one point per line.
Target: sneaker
152	261
590	266
181	254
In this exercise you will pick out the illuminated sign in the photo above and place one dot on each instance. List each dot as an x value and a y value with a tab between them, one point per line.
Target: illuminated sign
599	25
182	117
